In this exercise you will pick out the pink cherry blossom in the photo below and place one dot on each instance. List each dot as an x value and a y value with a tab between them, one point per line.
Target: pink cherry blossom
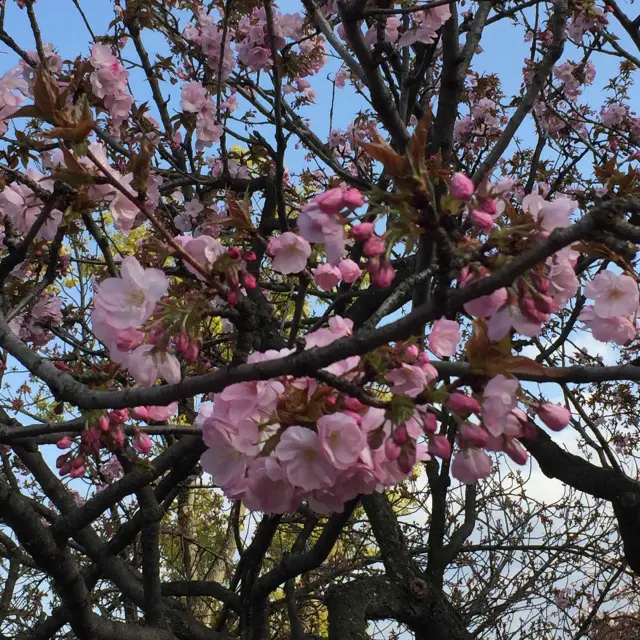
618	329
194	97
407	379
563	598
341	439
470	465
444	337
289	252
222	460
499	398
160	414
303	459
613	295
326	276
556	214
129	301
146	366
440	446
349	270
268	489
204	249
484	306
510	316
320	228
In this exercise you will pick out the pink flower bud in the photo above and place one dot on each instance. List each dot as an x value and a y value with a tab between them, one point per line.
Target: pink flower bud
330	202
362	232
192	352
250	281
488	205
77	462
77	472
64	469
353	403
349	270
545	304
352	199
103	423
156	333
129	339
439	446
530	311
64	443
472	435
461	186
516	452
117	435
430	422
234	253
400	435
140	413
61	460
181	341
481	219
384	275
142	442
391	449
232	298
461	403
412	351
374	247
119	416
407	459
554	416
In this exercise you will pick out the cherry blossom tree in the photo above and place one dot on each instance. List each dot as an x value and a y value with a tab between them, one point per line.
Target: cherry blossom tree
318	322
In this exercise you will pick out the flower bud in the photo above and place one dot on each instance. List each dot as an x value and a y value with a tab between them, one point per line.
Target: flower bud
554	416
103	422
391	449
64	443
461	186
440	446
374	247
362	232
461	403
181	341
142	442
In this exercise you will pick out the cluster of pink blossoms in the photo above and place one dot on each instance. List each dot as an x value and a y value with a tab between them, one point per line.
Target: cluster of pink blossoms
424	28
279	442
35	325
254	50
108	432
126	214
109	82
121	308
210	38
322	222
22	207
481	124
195	99
612	315
574	76
10	101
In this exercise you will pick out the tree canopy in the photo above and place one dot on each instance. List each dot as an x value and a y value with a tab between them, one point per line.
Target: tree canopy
319	320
